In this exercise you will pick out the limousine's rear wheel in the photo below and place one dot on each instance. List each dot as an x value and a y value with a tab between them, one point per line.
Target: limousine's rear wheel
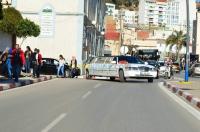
88	75
121	76
112	78
150	80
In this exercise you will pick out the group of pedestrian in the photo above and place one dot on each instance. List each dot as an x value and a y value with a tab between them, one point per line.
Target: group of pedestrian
15	60
61	67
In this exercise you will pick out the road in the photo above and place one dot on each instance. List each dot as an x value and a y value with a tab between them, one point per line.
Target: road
78	105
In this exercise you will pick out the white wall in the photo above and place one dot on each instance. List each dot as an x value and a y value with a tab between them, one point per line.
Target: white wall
198	34
67	38
5	41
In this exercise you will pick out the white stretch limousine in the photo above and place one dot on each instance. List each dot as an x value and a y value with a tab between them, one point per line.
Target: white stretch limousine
121	67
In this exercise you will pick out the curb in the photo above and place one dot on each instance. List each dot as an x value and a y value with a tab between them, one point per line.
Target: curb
187	96
24	83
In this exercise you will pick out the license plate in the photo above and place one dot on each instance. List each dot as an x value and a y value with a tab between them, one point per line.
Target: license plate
144	74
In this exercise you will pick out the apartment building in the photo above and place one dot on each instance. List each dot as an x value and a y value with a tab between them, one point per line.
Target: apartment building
152	12
126	17
176	14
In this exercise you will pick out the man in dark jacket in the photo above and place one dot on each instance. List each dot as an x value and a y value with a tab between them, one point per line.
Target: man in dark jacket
36	62
18	60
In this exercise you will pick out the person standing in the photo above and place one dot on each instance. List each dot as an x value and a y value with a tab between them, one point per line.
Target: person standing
8	63
39	63
183	63
73	66
3	61
18	60
36	62
61	66
28	53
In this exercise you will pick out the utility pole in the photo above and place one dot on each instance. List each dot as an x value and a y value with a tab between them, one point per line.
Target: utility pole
121	30
187	43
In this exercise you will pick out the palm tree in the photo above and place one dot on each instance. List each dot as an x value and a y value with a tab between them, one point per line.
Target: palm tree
177	38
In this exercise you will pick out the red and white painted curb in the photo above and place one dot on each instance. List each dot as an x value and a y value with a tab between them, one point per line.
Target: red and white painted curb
187	96
4	87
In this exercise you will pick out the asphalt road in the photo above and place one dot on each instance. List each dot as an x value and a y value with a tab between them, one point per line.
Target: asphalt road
78	105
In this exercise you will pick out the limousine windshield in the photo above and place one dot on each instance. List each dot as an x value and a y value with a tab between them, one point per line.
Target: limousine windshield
129	59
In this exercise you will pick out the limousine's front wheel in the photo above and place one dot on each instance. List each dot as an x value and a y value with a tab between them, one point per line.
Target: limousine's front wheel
112	78
150	80
121	76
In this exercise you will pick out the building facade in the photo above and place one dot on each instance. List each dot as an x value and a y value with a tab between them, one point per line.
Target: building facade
152	12
128	17
168	13
64	26
176	14
173	13
93	40
196	46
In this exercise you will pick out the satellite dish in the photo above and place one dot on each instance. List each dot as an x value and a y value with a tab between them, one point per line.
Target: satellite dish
124	50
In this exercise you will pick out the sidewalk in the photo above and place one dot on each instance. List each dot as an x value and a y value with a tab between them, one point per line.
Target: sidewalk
188	91
6	84
193	87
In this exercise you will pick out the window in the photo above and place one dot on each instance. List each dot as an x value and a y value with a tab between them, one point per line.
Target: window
101	60
129	59
94	60
56	62
108	60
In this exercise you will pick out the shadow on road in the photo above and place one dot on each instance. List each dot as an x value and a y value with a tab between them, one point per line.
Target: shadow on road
127	81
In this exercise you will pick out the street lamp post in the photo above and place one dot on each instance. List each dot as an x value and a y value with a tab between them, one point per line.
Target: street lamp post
187	43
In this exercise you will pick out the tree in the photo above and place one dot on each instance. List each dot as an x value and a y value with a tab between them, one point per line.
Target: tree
1	10
177	38
11	18
27	28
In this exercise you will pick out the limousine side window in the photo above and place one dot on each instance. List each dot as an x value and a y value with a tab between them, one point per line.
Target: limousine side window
128	59
93	60
101	60
109	60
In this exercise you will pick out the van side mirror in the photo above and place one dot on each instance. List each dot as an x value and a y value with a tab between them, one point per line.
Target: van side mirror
146	63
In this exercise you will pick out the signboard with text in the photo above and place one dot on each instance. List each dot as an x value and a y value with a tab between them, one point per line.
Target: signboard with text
47	22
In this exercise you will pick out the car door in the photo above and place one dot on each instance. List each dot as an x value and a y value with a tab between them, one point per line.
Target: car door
113	69
92	66
55	66
44	69
99	70
106	66
46	66
49	67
